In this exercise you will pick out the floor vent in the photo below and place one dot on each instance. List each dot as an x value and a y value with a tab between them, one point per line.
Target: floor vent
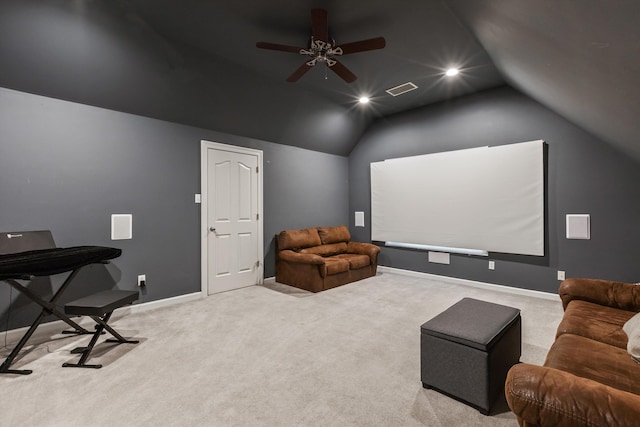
403	88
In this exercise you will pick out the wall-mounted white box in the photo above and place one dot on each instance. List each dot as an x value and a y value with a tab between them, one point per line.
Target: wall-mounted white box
440	257
121	226
578	226
359	219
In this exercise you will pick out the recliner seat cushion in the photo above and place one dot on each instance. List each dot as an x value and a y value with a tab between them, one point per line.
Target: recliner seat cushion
595	321
334	234
595	360
298	239
326	250
334	265
355	260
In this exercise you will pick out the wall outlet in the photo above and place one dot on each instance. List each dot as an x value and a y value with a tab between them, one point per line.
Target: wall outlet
560	275
492	265
142	280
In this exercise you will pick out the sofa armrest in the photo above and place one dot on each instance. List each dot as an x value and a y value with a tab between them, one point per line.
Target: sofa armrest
291	256
363	248
550	397
625	296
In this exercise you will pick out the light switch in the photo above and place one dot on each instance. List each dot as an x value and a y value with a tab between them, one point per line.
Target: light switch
359	219
197	198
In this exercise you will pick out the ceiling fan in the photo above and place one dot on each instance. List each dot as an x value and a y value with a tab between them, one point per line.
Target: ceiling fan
323	50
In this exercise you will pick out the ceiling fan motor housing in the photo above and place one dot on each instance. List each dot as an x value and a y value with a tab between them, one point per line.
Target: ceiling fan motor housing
321	51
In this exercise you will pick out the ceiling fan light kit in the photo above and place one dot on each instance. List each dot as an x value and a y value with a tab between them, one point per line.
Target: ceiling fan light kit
322	50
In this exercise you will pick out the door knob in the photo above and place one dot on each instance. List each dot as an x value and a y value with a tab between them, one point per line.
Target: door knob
212	229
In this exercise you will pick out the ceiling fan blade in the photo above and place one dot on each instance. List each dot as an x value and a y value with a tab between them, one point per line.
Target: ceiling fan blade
343	72
299	72
280	47
319	25
362	45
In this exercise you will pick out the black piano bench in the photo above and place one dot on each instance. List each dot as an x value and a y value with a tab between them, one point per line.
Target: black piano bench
99	307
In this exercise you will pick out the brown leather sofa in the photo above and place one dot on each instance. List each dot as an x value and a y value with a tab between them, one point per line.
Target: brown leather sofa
588	378
322	258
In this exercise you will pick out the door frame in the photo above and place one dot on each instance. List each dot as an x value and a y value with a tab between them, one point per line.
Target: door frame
204	206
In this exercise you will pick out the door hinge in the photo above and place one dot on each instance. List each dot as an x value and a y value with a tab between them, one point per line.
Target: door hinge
257	216
257	169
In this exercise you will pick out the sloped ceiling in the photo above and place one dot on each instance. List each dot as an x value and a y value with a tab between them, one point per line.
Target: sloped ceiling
579	58
195	61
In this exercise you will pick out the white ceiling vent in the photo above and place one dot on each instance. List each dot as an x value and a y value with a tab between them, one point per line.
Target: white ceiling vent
403	88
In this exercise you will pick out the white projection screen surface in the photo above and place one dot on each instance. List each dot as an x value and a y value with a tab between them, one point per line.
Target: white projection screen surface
486	198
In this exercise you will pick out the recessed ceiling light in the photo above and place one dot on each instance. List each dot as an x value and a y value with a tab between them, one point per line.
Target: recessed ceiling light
452	72
363	100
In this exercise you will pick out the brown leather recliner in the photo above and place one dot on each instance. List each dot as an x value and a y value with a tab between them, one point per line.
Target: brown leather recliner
588	378
320	258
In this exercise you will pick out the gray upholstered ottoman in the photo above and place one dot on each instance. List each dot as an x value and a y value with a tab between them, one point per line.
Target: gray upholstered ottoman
467	350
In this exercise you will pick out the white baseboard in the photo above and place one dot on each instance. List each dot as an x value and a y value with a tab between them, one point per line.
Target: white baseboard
137	308
472	283
46	330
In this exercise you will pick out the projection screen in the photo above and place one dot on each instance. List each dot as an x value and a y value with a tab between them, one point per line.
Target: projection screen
487	198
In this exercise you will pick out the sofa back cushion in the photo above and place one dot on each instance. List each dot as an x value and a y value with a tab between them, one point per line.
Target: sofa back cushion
337	234
298	239
326	250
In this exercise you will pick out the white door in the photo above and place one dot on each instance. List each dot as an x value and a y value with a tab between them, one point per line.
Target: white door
233	240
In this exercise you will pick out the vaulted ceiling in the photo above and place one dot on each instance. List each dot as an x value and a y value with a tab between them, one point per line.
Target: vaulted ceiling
196	62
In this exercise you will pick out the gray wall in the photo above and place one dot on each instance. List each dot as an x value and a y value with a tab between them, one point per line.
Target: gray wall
67	167
584	175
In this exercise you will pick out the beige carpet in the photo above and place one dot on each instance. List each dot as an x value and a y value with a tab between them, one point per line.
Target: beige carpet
266	356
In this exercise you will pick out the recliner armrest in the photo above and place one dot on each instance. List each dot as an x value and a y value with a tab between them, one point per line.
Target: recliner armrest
625	296
363	248
291	256
550	397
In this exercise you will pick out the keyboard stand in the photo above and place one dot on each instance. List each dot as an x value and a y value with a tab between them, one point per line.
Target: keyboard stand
48	307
